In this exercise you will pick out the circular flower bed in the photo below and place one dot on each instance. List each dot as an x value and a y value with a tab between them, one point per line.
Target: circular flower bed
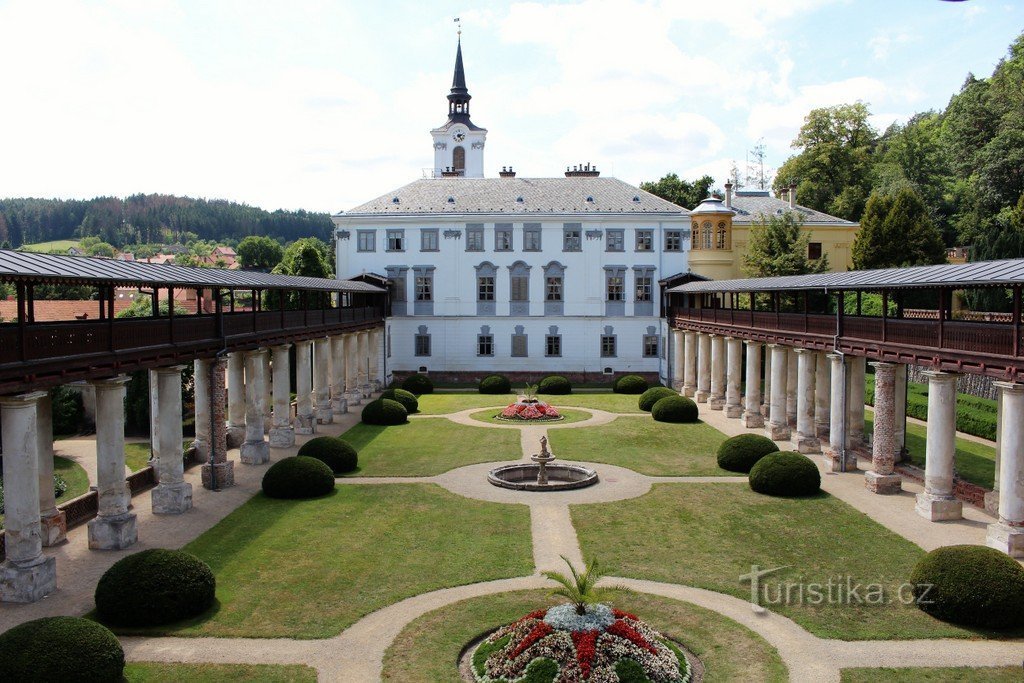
604	644
529	409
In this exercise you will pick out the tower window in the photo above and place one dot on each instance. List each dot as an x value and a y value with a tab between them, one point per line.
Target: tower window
706	235
720	242
459	158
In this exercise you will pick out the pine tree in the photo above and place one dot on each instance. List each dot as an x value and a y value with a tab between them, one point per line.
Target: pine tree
778	246
896	231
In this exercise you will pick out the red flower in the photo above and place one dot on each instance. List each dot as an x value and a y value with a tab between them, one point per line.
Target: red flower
619	614
509	411
586	649
538	632
536	614
623	630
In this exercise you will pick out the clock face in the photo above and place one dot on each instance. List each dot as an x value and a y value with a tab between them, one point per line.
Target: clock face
459	136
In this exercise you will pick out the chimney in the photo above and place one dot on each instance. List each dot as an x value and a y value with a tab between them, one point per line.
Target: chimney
449	172
507	172
582	171
792	195
728	195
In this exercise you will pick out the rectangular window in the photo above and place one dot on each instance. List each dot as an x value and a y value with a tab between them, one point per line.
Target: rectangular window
366	240
474	237
814	250
553	289
643	288
519	346
616	288
650	346
422	344
485	345
644	240
503	237
485	288
531	237
398	290
571	237
553	345
425	287
428	239
614	240
608	346
673	240
520	288
396	240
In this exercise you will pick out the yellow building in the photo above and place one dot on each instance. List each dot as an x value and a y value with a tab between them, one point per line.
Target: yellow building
720	231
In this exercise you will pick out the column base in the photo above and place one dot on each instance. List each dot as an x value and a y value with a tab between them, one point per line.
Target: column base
701	396
255	452
282	437
324	414
883	484
224	471
822	432
689	390
201	449
172	499
834	461
115	532
777	432
339	406
354	398
992	503
716	402
376	386
733	411
53	528
808	444
856	439
367	390
677	384
766	410
1006	538
235	435
791	419
28	583
305	424
752	420
268	422
937	508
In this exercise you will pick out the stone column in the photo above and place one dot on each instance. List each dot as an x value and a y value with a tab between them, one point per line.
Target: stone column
855	401
677	359
992	497
53	525
217	473
339	403
114	526
703	368
807	439
717	399
26	575
839	457
1008	533
752	400
154	420
364	360
255	450
201	383
282	435
322	380
236	399
938	503
900	435
792	382
375	357
882	478
766	395
778	426
305	419
355	396
734	368
173	495
689	361
822	380
268	397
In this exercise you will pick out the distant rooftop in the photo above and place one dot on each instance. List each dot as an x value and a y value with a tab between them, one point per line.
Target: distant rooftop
750	205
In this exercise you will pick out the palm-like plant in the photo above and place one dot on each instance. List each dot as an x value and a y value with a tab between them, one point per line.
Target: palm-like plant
578	588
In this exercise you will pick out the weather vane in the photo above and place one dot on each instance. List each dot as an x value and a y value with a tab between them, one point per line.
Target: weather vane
458	22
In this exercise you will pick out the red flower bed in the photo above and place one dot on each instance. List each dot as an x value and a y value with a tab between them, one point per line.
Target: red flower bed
586	649
525	410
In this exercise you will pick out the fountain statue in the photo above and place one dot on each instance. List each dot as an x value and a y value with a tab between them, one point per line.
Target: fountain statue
542	459
542	475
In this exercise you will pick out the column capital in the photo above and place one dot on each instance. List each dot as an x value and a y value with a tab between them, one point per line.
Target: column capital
752	342
22	399
1009	387
802	351
940	377
170	369
835	356
884	366
280	347
110	382
256	353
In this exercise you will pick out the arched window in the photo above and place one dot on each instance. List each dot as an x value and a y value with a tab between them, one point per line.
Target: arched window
459	158
706	235
720	243
695	237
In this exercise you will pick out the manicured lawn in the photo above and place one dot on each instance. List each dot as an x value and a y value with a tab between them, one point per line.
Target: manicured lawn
609	401
136	456
441	404
308	569
641	444
569	416
159	672
995	674
425	447
708	535
427	649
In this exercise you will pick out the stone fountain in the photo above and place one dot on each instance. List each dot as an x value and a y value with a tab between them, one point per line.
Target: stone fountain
542	475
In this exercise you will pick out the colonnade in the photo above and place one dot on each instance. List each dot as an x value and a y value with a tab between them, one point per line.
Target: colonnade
342	370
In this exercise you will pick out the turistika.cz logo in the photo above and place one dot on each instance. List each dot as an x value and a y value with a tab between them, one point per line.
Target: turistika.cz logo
837	590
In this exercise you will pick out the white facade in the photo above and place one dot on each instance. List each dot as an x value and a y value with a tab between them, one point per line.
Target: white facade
449	140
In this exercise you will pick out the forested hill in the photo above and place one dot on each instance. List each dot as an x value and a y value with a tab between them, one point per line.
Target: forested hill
152	218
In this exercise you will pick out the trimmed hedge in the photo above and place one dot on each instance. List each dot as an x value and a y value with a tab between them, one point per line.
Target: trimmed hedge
155	586
742	452
336	453
298	477
418	384
970	585
406	398
652	395
61	649
785	473
630	384
675	408
495	384
554	385
384	411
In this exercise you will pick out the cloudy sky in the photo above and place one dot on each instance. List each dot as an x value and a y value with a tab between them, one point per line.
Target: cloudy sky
324	104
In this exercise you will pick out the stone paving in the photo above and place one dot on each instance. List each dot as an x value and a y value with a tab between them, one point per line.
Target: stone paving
357	653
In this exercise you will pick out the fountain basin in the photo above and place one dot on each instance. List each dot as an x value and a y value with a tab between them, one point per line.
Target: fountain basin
523	477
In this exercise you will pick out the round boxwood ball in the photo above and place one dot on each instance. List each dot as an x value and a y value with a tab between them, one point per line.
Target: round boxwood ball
742	452
298	477
554	385
61	649
630	384
418	384
651	396
785	473
156	586
406	398
495	384
336	453
384	411
674	408
970	585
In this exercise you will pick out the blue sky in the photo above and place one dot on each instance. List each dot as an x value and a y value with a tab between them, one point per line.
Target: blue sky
323	105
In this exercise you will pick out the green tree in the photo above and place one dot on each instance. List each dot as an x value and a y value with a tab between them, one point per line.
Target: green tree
778	246
258	252
577	587
308	256
681	192
1004	240
896	231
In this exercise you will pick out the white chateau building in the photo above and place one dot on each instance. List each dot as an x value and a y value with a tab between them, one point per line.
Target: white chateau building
522	276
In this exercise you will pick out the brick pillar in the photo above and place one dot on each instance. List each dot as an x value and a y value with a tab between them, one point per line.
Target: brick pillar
806	440
173	495
778	426
717	398
822	394
734	368
689	360
882	478
255	450
703	368
937	503
752	417
221	474
1007	534
52	522
114	526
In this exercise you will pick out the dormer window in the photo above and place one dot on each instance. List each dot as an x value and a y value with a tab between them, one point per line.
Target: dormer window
394	200
636	199
451	200
519	199
590	200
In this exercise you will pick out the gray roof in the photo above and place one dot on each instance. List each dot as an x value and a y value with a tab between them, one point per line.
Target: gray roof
502	195
30	266
1003	273
749	205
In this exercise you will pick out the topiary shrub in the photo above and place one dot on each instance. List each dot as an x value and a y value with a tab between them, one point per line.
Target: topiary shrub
674	408
495	384
630	384
418	384
406	398
384	411
742	452
970	585
61	649
651	396
785	473
153	587
298	477
336	453
554	385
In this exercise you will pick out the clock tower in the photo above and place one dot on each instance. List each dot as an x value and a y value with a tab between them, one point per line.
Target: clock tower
458	144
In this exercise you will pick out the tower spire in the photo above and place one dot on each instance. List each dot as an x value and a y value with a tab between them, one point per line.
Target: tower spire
459	97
